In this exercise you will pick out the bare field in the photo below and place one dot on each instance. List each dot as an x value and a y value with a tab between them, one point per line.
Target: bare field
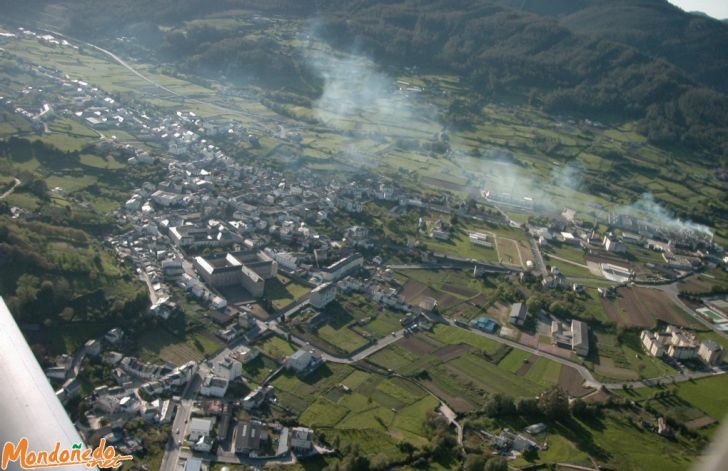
571	381
642	307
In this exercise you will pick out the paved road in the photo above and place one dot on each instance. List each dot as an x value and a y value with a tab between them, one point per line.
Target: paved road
153	298
370	350
589	379
172	449
538	257
10	190
667	379
451	416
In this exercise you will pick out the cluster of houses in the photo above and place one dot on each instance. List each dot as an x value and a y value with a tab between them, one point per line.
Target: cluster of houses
213	422
679	344
682	250
512	443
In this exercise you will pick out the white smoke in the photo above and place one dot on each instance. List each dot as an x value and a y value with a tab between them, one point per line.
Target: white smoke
648	209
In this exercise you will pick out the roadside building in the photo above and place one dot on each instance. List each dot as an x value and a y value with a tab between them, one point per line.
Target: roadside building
301	440
199	427
322	295
518	315
248	436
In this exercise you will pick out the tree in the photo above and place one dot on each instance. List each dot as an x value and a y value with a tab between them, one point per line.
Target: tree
530	453
579	408
554	404
496	464
528	407
407	447
474	463
534	304
499	405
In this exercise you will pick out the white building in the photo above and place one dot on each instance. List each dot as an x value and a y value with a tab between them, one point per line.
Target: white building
199	428
478	238
711	352
301	439
213	386
303	361
322	295
343	267
580	337
674	342
228	368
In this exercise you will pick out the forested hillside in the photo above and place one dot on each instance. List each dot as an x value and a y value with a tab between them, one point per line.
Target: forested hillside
644	60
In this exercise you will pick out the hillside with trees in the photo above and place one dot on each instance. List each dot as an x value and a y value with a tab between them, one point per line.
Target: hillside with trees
643	60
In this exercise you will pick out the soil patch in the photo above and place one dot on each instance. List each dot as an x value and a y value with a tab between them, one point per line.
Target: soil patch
449	352
571	381
524	369
458	404
417	345
700	422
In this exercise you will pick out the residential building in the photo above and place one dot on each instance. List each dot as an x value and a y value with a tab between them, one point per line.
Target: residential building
256	397
228	368
214	386
612	244
248	437
114	335
199	427
193	464
674	342
301	440
343	267
172	269
245	354
711	352
322	295
303	362
478	238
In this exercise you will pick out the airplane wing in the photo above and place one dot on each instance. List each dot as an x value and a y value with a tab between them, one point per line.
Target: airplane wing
28	405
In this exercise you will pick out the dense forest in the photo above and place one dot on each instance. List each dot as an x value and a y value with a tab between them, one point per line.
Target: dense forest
637	59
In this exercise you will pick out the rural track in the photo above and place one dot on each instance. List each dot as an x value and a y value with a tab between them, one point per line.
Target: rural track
10	190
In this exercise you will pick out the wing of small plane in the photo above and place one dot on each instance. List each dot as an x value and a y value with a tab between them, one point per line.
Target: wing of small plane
29	407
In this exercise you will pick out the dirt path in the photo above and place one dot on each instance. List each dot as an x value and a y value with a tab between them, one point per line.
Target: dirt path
11	190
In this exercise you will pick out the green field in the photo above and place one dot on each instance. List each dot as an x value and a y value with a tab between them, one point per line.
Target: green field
377	408
615	360
159	345
352	322
342	338
276	348
454	335
281	295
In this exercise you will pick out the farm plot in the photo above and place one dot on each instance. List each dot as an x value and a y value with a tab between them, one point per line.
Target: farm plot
623	359
276	348
373	406
162	345
508	252
453	335
463	368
